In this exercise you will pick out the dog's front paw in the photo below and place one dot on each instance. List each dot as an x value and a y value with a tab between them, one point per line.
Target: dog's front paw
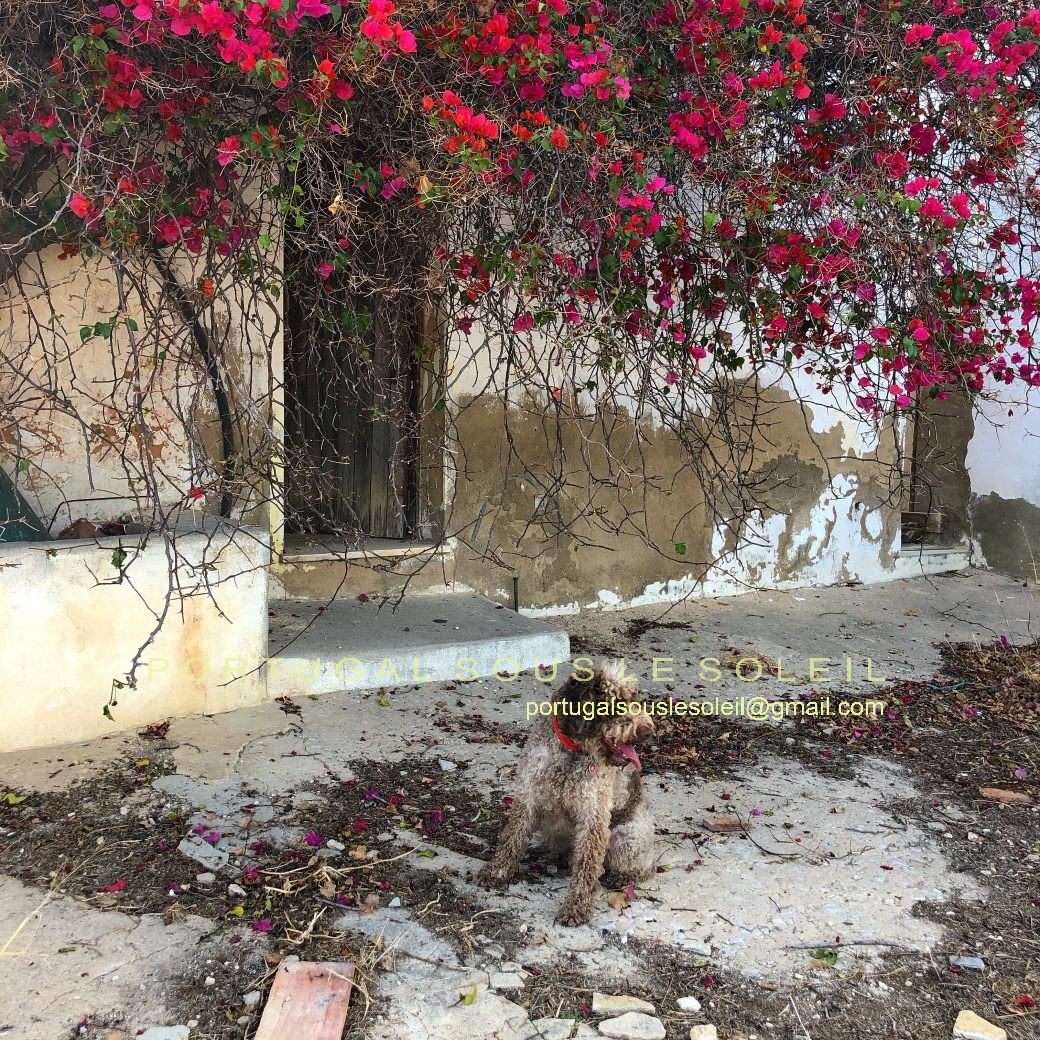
490	877
573	914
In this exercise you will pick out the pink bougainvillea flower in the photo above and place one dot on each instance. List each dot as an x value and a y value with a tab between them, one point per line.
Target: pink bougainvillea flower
314	839
263	925
311	9
81	205
228	150
325	269
523	322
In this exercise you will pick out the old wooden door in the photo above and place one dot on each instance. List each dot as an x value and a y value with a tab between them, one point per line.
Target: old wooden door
352	386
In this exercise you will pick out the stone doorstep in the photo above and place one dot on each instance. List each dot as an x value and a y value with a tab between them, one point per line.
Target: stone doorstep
356	646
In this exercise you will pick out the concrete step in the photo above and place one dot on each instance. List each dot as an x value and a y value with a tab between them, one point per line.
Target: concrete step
353	645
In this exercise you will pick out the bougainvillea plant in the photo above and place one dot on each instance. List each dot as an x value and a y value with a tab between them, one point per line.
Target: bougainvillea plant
843	189
846	182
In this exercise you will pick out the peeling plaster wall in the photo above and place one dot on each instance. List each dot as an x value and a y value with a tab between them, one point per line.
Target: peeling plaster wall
830	514
76	460
1004	467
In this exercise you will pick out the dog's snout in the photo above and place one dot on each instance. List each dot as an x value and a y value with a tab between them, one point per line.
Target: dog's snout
644	727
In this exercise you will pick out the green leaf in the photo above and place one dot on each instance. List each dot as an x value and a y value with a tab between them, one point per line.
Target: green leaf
119	558
680	548
85	333
468	998
23	465
711	220
14	799
825	954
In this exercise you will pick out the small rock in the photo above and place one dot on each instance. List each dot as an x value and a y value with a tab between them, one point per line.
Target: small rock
691	1005
726	825
998	794
202	852
704	949
210	981
609	1004
970	1027
385	836
633	1026
704	1033
970	963
506	981
549	1029
336	846
510	966
446	766
243	1020
394	903
165	1033
252	998
205	878
236	890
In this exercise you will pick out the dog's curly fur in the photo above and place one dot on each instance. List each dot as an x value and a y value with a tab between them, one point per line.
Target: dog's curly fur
583	801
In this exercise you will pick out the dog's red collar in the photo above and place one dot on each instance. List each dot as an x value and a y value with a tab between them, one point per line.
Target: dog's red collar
563	738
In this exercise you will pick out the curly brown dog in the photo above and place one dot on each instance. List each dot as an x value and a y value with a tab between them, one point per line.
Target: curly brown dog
573	787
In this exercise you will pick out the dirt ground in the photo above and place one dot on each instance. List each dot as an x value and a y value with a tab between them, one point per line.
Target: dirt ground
156	879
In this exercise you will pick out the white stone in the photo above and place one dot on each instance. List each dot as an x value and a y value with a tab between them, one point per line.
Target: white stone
704	949
506	980
549	1029
336	846
165	1033
205	878
633	1026
252	998
704	1033
202	852
236	890
609	1004
689	1004
446	766
210	981
970	1027
394	903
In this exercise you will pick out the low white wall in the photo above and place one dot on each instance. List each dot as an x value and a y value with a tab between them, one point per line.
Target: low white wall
74	613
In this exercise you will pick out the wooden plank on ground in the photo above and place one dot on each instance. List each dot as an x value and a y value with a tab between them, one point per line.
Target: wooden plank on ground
309	1000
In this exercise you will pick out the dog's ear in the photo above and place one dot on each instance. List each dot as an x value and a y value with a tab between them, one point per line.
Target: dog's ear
571	714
